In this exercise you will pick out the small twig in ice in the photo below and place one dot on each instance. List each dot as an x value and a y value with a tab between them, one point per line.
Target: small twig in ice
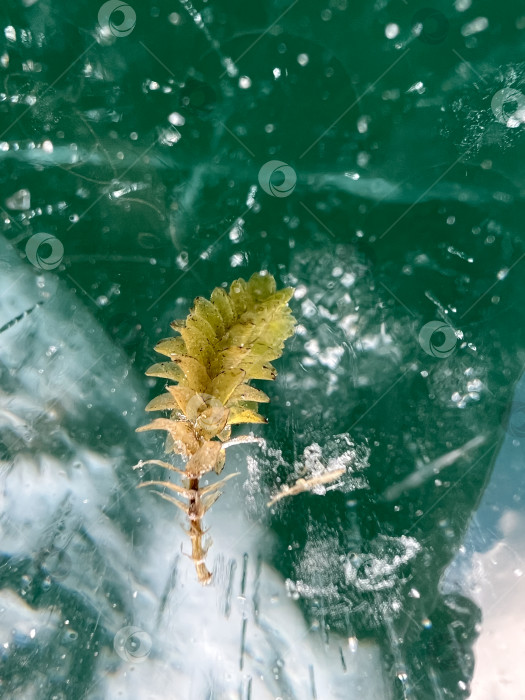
302	485
244	438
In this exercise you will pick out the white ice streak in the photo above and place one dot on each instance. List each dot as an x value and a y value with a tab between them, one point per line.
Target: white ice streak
427	471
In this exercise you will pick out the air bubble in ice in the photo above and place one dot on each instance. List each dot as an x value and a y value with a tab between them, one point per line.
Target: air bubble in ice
237	259
182	259
19	201
391	30
477	25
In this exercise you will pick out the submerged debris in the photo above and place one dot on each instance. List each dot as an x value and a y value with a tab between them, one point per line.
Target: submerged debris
302	485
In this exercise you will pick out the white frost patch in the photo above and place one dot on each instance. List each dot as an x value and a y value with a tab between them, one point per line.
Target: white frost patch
315	462
308	308
314	573
313	465
331	356
375	572
300	589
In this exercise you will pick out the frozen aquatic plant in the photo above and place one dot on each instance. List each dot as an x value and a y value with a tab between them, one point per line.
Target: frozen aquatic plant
222	345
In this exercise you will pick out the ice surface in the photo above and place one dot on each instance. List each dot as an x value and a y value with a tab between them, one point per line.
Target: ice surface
304	597
143	154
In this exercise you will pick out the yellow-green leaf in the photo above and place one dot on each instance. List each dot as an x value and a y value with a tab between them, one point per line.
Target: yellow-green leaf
261	286
164	402
178	324
194	371
166	370
261	371
238	296
245	392
182	395
239	414
171	346
222	303
197	344
208	312
181	433
225	383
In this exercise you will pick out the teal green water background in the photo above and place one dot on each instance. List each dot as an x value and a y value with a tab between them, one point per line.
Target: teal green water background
403	128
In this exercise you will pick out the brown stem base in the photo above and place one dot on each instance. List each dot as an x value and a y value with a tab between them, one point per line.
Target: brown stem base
196	533
198	552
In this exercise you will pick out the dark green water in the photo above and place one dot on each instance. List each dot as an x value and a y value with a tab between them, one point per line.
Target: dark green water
400	129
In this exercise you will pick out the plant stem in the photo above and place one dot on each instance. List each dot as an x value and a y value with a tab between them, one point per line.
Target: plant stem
198	552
